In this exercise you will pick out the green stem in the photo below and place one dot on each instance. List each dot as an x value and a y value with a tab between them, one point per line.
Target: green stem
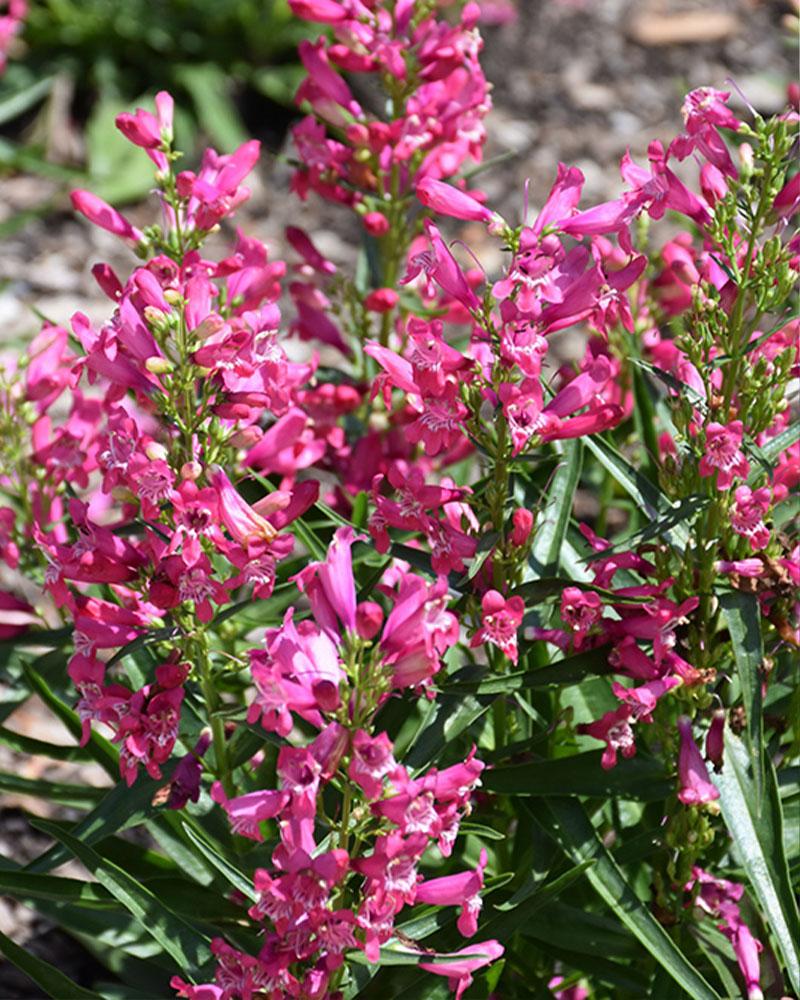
212	700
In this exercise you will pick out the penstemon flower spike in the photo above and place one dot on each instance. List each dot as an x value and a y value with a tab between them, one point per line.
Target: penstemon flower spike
294	589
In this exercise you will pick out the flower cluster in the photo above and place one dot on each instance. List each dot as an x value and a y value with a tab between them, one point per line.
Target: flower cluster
314	598
335	671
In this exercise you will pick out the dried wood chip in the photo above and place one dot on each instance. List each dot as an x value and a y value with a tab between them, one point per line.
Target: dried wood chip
687	28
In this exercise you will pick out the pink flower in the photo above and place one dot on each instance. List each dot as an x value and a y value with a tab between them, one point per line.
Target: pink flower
457	890
696	787
103	215
615	729
500	620
747	515
746	948
522	520
371	762
723	453
581	610
448	200
245	523
644	698
330	585
715	739
246	813
459	966
441	266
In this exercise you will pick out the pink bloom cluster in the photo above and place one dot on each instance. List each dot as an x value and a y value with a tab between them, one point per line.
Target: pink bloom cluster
168	492
316	905
438	98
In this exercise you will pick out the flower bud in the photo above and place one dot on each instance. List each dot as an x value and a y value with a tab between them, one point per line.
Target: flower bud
715	739
211	324
246	437
376	223
173	296
369	618
191	470
382	300
523	525
155	318
156	452
158	365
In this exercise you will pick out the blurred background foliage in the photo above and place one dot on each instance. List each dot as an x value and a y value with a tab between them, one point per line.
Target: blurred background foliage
231	65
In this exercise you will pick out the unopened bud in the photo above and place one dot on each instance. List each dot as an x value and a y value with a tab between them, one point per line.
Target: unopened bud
156	452
369	618
746	157
191	470
715	739
381	300
155	318
523	525
158	365
376	223
173	296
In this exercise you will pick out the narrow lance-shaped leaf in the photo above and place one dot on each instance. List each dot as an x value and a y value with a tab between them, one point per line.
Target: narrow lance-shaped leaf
553	518
648	497
188	946
758	844
54	983
566	820
743	618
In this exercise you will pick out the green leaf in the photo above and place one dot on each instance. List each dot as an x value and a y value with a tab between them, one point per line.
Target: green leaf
48	977
553	519
644	416
639	778
41	748
180	939
209	87
743	617
774	448
453	715
56	791
122	807
648	498
53	638
15	104
60	890
568	823
570	670
758	844
213	852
